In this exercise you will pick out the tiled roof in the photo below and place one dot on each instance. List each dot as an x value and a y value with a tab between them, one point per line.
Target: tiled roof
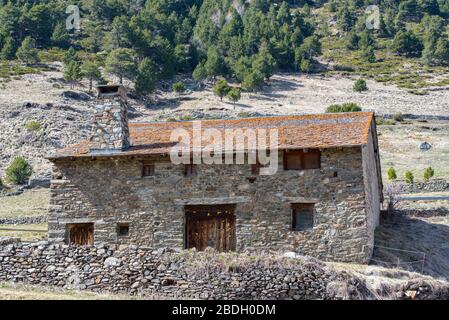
295	132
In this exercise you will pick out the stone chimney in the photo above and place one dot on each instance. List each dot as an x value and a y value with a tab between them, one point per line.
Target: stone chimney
110	129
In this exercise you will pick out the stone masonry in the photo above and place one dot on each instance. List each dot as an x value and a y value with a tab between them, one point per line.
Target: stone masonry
106	188
110	129
107	192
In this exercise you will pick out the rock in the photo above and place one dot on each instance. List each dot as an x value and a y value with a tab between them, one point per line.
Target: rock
112	262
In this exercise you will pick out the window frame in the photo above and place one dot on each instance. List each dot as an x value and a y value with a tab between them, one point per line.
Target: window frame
190	170
121	225
151	171
296	209
301	154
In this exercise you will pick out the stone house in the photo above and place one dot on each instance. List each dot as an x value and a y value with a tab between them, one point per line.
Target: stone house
121	187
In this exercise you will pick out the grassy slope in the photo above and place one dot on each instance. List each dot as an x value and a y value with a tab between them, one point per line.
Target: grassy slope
31	202
408	73
19	291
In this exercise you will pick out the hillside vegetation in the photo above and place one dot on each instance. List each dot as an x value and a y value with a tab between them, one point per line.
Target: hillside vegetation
147	41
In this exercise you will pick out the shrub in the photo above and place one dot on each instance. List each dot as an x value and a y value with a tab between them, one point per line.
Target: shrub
392	174
360	86
428	174
179	87
398	117
33	126
345	107
234	95
221	89
409	178
18	171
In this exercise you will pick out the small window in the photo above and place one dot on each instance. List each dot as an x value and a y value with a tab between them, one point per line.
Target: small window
302	160
302	216
147	170
123	229
190	170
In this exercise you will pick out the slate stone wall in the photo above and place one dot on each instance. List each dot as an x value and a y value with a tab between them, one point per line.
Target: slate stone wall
107	192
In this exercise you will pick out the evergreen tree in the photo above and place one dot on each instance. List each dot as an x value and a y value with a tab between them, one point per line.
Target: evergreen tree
8	51
121	62
264	62
221	89
234	95
352	40
146	77
253	80
72	73
70	55
60	37
368	54
91	71
27	52
214	65
406	43
442	52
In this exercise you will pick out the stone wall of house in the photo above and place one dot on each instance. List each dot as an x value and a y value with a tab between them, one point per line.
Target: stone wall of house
205	275
107	192
371	170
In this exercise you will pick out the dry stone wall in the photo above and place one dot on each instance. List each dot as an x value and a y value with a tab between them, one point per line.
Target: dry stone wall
166	273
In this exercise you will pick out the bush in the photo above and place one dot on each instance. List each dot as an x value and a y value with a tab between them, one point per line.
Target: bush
345	107
398	117
221	89
360	86
428	174
392	174
409	178
18	171
234	95
179	87
33	126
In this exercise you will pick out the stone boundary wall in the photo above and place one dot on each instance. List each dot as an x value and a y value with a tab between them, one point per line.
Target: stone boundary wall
436	185
165	274
24	219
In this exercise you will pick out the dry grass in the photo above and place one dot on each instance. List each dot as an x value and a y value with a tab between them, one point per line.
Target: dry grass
413	239
31	202
24	235
20	291
399	148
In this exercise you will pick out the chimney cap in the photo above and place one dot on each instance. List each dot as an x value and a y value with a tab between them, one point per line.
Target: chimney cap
108	91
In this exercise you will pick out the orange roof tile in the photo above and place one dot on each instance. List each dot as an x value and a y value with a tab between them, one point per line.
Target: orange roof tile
295	132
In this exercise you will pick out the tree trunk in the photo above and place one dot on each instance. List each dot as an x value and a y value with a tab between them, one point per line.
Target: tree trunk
90	85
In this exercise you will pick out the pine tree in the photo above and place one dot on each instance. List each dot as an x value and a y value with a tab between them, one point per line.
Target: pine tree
264	62
407	43
27	52
221	89
8	51
214	65
146	77
60	36
91	71
253	80
72	73
70	55
234	95
122	63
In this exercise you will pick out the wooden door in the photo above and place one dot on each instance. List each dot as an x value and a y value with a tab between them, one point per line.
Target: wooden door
210	226
81	234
